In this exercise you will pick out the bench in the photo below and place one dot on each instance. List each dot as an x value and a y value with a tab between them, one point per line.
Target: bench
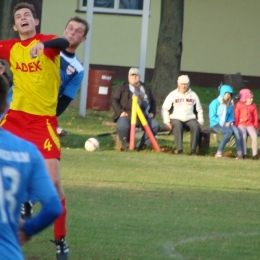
119	144
204	142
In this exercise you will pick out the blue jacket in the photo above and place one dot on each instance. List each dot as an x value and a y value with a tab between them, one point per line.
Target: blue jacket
214	105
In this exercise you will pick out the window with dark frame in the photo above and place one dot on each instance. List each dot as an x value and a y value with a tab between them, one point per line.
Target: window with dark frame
134	7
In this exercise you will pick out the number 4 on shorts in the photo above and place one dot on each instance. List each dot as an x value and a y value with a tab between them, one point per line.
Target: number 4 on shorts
47	144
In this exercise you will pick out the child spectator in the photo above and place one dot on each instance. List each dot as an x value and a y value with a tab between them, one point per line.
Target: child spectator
221	117
246	119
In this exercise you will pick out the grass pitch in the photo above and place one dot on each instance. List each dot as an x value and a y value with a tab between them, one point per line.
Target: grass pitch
148	205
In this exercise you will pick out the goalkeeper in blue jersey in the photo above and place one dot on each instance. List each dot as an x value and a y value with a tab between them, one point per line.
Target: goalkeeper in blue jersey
23	175
71	70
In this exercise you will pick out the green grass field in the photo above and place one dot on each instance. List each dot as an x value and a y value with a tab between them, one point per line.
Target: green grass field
150	205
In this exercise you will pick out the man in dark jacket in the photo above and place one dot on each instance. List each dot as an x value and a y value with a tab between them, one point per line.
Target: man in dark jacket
121	102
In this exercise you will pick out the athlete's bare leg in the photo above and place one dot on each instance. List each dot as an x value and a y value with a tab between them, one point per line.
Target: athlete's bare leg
53	166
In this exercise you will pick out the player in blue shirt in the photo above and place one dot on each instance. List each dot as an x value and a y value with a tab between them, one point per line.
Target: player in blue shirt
71	70
23	175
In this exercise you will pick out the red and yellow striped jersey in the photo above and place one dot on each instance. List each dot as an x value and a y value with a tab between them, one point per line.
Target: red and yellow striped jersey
36	80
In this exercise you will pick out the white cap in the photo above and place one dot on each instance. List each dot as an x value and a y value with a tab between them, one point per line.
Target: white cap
134	71
183	79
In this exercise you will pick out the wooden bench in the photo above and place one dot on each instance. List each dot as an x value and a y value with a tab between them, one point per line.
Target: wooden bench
204	142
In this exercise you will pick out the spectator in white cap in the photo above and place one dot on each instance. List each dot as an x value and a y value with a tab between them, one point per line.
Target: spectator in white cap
182	111
121	103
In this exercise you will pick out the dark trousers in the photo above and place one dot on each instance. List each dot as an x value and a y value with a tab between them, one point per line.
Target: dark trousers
179	127
123	130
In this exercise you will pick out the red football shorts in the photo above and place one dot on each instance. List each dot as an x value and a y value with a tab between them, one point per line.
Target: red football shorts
39	130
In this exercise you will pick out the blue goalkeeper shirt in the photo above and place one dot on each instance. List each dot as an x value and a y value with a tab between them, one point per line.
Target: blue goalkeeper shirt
71	73
23	175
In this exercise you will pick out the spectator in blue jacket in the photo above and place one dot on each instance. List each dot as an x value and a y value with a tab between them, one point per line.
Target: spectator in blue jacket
221	118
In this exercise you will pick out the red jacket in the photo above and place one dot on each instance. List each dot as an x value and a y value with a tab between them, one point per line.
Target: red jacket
246	115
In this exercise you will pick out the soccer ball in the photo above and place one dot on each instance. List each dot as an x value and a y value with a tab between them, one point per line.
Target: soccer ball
92	144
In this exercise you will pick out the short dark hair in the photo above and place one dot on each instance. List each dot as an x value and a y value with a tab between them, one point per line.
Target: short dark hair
79	20
25	5
4	87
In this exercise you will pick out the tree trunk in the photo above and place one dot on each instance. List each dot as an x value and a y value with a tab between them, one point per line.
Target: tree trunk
6	19
169	48
6	16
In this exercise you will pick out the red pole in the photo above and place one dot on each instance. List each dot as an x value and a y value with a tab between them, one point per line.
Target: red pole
147	129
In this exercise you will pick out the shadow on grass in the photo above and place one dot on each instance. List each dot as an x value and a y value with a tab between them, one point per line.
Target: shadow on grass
77	141
107	142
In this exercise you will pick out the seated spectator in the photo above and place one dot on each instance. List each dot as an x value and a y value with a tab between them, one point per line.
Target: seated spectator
121	103
246	119
221	118
182	111
3	71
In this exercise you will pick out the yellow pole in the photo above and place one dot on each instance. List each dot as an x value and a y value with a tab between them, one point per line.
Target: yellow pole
133	124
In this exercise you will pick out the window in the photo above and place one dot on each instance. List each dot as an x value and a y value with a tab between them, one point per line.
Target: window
134	7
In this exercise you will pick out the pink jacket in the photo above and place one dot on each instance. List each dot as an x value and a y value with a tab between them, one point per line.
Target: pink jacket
246	115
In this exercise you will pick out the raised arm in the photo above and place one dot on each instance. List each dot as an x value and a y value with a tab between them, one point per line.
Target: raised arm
57	43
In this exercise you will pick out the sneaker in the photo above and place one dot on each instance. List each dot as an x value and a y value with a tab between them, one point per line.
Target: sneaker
255	157
179	152
239	157
62	249
26	210
245	156
219	155
61	132
145	147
